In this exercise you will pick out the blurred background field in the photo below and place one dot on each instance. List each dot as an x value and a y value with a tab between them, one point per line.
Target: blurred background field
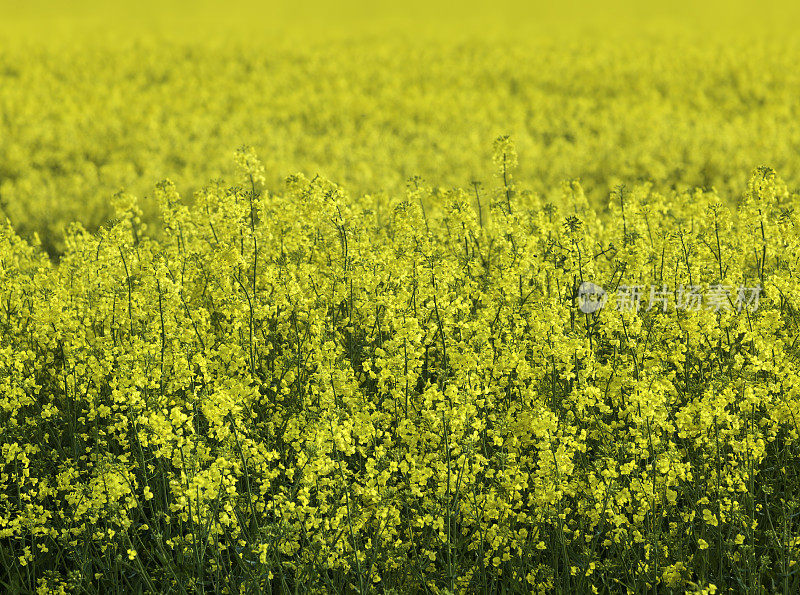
100	97
241	15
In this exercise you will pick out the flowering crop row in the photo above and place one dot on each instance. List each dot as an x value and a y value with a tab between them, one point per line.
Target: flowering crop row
292	391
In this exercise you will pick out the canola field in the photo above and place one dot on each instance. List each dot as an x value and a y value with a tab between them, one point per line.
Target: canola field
499	302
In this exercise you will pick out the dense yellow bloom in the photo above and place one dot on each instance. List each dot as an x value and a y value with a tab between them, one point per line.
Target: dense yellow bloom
390	381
